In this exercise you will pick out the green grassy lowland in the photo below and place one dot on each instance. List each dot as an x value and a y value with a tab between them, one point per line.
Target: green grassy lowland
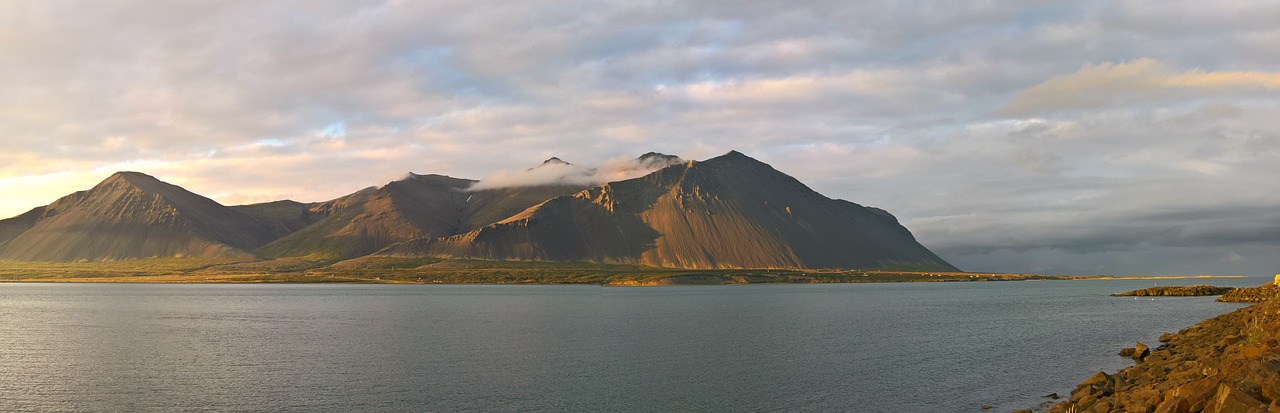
451	271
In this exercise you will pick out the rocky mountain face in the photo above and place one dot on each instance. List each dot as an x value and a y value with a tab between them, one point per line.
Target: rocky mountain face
414	207
130	215
731	211
727	212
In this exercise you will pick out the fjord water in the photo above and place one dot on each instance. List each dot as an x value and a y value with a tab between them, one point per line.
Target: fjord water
836	347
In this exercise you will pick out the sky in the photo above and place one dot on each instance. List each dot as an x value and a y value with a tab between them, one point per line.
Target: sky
1072	137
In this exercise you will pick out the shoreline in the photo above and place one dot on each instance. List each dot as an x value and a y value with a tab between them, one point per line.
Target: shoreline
1228	363
1167	277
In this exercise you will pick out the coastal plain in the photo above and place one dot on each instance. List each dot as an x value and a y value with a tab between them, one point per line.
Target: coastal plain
468	271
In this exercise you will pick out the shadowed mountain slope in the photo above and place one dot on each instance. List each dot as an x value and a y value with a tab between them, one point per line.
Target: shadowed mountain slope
281	218
731	211
414	207
13	227
418	206
129	215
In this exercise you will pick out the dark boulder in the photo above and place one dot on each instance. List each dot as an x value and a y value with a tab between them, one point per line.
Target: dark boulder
1140	351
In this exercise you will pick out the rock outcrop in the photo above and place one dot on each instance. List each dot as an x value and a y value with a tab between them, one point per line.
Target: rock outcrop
1176	291
1251	295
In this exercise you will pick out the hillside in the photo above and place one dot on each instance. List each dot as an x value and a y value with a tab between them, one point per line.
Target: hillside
414	207
130	215
280	217
727	212
731	211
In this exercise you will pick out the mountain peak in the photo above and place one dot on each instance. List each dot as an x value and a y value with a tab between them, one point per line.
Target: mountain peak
130	176
555	161
655	161
138	180
730	211
656	158
436	178
134	215
735	158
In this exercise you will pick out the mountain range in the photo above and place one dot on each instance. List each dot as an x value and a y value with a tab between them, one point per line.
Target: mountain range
730	211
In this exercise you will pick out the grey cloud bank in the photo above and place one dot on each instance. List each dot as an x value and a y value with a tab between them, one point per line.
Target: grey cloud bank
1127	137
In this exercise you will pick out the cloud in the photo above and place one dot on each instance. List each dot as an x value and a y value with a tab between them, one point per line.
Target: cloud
557	172
982	125
1107	84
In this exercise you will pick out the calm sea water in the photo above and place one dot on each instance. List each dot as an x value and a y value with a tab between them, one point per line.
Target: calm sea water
842	347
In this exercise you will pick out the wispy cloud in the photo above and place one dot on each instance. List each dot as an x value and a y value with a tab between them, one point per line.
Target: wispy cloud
1102	85
558	172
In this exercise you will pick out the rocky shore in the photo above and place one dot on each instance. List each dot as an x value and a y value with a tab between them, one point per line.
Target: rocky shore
1251	295
1177	291
1230	363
